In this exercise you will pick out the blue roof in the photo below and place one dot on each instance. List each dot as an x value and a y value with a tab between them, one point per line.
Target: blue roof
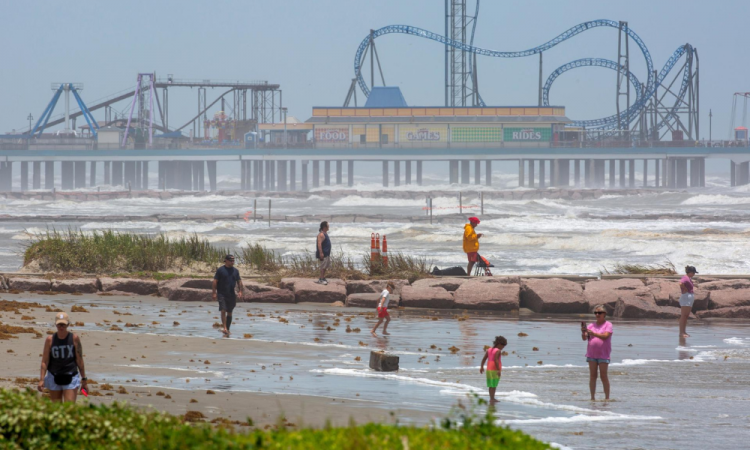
386	97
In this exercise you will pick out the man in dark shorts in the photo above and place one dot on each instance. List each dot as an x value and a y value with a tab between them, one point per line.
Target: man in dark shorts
225	281
323	252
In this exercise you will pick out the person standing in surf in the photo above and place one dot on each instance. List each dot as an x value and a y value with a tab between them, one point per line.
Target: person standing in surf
599	337
494	365
471	243
226	279
62	371
687	298
383	309
323	252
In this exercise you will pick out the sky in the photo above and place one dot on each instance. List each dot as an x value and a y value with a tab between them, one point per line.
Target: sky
308	47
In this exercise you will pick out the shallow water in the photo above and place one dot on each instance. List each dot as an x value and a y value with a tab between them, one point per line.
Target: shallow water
666	394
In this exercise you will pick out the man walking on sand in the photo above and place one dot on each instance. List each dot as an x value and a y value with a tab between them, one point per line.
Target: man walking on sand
323	252
227	277
471	243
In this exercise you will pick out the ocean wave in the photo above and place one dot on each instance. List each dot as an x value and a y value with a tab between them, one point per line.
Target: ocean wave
707	199
579	418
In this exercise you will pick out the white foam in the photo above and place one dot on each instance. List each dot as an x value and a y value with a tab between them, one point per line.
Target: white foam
579	418
737	341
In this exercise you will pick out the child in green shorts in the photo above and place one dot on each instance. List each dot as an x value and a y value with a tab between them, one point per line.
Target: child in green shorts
494	365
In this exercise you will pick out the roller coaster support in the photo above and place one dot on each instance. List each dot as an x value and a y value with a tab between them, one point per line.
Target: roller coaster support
623	63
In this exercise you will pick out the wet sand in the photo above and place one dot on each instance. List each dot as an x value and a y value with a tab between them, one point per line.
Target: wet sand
131	357
301	360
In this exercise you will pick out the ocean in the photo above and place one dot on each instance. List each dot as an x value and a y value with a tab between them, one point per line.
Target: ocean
540	237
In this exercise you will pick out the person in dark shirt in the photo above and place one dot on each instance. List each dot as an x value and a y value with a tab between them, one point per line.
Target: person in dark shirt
227	277
323	252
63	372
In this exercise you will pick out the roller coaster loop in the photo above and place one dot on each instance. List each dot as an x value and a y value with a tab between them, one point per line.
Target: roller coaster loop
631	113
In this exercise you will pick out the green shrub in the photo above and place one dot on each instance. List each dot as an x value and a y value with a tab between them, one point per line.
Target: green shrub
30	421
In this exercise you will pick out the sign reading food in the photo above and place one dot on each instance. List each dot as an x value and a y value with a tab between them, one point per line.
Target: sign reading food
527	134
332	134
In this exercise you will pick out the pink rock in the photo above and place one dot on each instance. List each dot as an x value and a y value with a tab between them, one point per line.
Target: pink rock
270	296
489	294
82	285
643	308
251	287
667	293
740	312
722	285
729	298
130	285
554	295
373	286
307	290
175	290
449	284
29	284
607	292
426	297
727	293
370	300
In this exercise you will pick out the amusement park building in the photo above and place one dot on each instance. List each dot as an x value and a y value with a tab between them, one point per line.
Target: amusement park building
437	126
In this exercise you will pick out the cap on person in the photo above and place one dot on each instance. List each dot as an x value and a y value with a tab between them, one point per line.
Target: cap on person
474	220
690	269
229	258
62	318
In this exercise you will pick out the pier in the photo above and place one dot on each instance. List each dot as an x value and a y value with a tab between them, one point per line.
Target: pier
289	169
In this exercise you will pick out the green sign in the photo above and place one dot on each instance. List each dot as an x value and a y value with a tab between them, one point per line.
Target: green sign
477	134
527	134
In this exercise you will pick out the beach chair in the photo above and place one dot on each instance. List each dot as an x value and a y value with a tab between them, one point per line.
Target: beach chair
482	267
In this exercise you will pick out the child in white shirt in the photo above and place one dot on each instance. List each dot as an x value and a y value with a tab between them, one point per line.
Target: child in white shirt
383	308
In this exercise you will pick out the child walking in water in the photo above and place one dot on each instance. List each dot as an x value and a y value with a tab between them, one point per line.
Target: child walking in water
494	365
383	308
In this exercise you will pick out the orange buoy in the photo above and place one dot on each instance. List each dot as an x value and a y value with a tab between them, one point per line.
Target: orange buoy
377	246
373	253
384	253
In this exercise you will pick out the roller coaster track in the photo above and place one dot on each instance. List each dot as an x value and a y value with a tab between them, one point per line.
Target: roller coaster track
631	113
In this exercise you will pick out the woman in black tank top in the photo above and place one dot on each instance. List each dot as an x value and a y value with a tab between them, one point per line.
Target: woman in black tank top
62	363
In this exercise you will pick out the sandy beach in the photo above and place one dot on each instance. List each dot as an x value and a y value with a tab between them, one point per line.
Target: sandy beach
130	355
299	360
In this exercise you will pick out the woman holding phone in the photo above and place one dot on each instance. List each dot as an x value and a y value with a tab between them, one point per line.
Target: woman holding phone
599	337
62	363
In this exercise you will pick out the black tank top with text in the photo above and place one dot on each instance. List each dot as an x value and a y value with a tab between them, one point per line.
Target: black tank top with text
62	357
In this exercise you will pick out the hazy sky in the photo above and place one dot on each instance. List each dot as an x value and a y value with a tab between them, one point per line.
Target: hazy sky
308	47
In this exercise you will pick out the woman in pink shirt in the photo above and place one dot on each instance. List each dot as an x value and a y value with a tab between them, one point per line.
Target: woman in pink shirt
686	298
599	337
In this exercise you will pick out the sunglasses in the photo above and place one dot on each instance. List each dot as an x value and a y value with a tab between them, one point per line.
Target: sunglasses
599	312
62	325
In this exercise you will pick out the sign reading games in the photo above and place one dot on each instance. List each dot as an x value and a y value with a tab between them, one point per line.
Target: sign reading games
527	134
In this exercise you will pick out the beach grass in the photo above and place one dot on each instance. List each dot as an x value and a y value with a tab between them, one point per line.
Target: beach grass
159	257
28	420
665	268
112	252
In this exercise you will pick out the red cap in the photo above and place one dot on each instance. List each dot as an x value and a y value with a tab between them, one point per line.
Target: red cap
474	220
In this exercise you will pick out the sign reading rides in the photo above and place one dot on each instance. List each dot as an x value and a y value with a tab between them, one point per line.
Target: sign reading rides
527	134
